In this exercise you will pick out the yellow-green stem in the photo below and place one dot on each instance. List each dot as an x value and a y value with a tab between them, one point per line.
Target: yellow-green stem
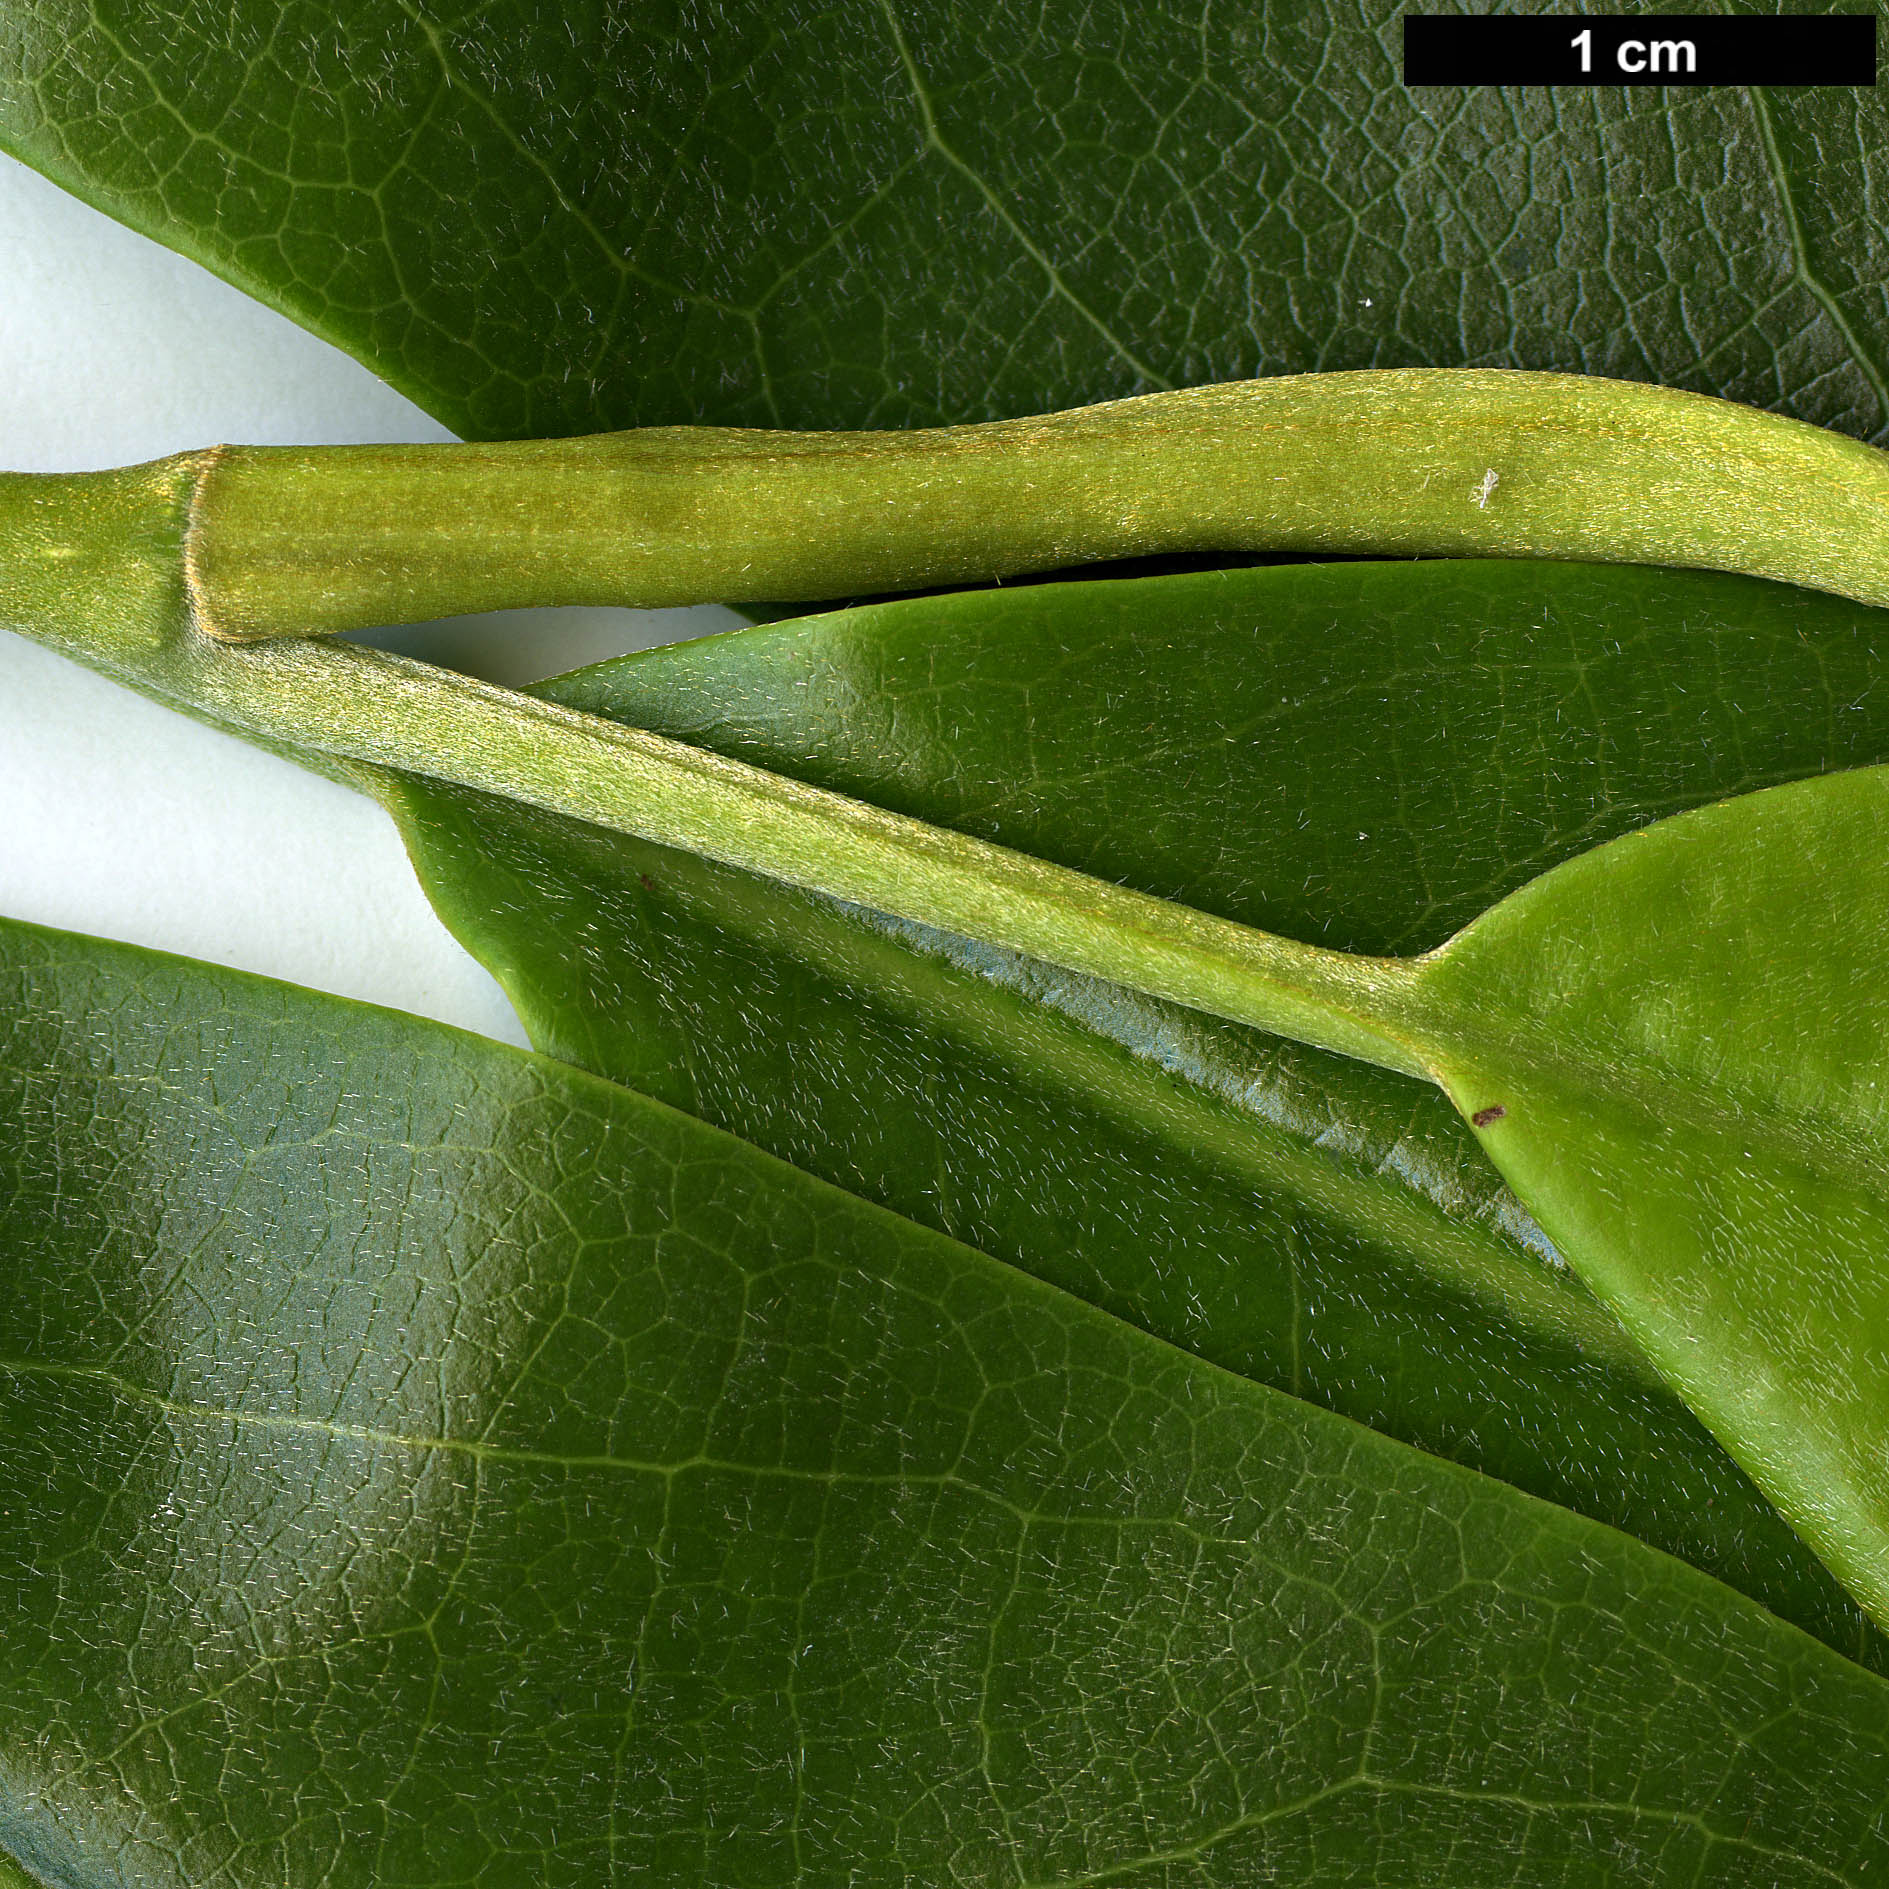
1411	462
93	564
155	572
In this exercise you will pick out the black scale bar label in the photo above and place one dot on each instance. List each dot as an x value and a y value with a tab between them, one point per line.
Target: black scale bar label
1650	49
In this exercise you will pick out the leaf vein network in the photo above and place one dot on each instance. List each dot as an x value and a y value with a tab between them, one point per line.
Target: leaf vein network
1059	286
1814	284
458	82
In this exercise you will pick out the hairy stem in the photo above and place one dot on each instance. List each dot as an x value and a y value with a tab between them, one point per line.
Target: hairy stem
1410	462
94	564
155	573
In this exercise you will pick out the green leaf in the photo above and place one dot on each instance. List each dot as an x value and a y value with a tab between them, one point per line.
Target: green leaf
885	212
429	1464
1281	747
1365	755
121	542
1678	1048
725	224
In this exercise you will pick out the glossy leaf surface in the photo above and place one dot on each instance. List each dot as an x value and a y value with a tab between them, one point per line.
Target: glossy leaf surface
429	1464
115	537
1283	747
871	214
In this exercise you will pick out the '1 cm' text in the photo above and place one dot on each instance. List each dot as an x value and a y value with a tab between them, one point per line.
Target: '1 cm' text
1639	55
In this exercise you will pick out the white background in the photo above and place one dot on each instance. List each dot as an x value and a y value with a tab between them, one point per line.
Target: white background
126	820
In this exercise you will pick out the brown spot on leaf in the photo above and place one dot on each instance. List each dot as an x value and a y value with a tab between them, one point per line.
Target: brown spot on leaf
649	884
1484	1116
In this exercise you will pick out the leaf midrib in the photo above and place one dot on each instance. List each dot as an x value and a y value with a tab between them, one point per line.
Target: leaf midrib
1668	1094
1409	1787
1361	1779
1814	285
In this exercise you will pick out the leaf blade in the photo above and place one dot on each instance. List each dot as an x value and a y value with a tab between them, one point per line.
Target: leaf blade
989	1414
890	216
1230	1193
1708	1135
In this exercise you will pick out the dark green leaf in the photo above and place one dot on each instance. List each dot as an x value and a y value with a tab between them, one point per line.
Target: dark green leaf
428	1464
555	221
1287	748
